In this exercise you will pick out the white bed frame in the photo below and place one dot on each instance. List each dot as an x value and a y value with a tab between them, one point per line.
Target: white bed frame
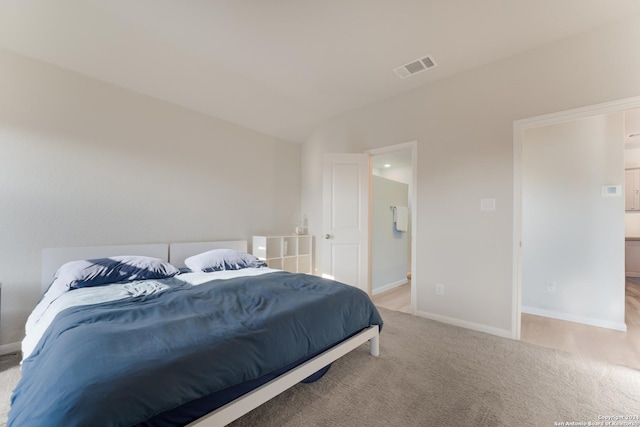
176	253
246	403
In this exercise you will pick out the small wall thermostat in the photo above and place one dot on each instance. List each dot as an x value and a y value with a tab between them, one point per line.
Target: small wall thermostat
611	190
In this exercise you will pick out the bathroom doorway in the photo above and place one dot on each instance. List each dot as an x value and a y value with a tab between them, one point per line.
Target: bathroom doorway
392	226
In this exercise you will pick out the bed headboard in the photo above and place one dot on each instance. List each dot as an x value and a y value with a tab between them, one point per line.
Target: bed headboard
178	252
53	258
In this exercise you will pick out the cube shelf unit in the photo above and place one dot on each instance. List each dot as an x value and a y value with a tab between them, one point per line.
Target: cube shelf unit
290	253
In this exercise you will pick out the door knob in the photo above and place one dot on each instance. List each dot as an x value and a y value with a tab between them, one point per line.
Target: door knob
327	236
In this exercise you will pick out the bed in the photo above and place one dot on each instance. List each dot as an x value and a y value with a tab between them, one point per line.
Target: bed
193	348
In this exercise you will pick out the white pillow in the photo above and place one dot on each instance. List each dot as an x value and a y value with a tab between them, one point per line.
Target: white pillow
222	259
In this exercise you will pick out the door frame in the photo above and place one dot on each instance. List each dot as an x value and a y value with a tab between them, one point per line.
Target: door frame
518	128
406	146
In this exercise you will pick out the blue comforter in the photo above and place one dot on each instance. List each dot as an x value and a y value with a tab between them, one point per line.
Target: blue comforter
121	363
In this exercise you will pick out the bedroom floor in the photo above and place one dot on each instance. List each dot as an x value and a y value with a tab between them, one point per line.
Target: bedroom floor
621	348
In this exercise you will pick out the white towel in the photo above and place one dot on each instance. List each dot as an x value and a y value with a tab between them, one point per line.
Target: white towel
401	218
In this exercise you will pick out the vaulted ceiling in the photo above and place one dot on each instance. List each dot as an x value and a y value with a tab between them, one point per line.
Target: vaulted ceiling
284	66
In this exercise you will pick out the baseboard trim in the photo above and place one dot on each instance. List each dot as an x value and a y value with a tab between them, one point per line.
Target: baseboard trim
10	348
504	333
576	319
388	286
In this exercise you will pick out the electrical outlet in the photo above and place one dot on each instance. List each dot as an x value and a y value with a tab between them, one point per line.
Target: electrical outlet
439	289
551	287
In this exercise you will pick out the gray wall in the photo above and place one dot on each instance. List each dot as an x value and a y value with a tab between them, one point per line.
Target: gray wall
87	163
464	129
572	237
390	248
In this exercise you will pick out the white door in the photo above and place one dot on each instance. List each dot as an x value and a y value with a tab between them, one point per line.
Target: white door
345	219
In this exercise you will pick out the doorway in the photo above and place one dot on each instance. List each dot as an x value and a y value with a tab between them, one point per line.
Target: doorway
569	229
392	226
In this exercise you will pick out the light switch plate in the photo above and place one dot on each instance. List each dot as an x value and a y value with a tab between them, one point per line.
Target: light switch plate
487	205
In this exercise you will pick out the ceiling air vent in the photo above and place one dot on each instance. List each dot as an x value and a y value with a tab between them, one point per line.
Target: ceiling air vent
415	67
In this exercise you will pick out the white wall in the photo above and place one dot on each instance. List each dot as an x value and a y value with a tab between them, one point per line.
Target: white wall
389	247
87	163
632	126
632	158
401	174
464	129
572	237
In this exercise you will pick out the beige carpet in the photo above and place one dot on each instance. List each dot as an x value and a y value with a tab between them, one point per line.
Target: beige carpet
432	374
9	377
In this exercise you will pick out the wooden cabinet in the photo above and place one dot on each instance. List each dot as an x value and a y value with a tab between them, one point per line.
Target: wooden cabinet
290	253
632	258
632	189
